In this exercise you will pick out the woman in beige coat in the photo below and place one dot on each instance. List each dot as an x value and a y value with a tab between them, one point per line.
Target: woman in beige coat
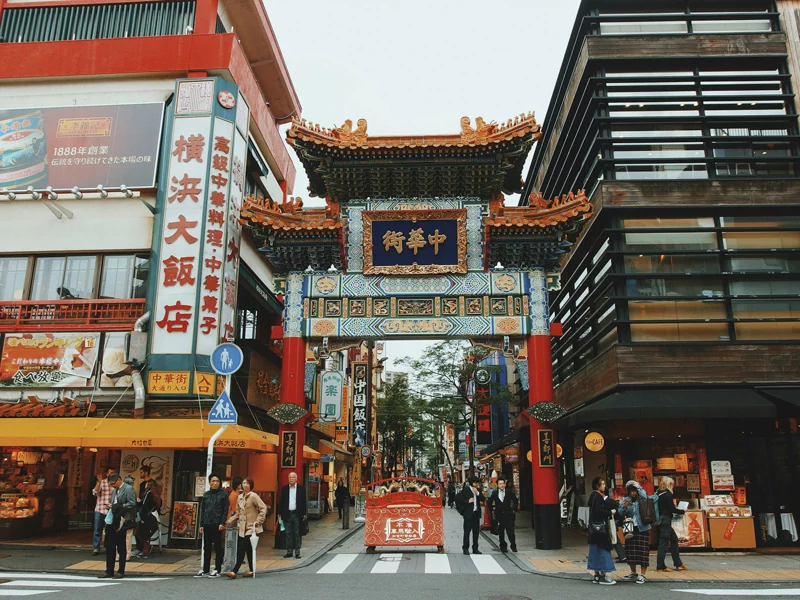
250	515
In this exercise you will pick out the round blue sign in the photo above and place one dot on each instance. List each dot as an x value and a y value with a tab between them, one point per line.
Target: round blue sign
227	359
366	451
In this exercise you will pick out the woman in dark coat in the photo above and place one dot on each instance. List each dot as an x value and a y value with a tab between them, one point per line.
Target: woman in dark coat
601	508
341	495
667	538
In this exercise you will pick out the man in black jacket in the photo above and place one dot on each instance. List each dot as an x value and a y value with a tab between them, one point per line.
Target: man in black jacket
213	514
503	505
292	510
468	503
342	495
123	511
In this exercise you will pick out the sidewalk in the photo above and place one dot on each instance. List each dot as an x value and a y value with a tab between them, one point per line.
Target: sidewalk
33	556
708	566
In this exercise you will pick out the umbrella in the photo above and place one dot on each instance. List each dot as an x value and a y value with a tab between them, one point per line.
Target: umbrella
254	543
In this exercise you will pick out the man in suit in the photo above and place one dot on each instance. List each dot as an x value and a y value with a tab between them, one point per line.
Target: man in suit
292	510
503	505
123	511
468	503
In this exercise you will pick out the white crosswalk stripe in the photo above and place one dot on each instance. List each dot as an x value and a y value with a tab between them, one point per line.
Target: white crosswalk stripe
416	562
437	563
36	584
338	564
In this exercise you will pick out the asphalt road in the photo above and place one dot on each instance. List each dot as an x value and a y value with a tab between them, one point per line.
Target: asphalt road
311	583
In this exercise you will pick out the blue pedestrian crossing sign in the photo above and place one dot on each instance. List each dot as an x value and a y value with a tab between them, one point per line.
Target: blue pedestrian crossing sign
226	359
223	412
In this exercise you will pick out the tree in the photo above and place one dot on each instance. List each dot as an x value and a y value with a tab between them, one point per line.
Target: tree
445	375
395	417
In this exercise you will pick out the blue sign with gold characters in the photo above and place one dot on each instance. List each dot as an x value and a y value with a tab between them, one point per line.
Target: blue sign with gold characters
402	242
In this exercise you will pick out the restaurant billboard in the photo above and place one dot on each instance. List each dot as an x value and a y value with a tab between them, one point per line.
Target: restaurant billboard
83	146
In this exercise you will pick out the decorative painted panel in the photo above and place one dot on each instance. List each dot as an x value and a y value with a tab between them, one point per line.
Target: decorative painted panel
469	326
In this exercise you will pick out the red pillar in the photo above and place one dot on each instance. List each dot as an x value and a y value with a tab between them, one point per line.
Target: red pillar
546	507
292	380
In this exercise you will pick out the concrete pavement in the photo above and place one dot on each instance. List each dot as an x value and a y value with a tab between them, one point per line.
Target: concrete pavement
706	566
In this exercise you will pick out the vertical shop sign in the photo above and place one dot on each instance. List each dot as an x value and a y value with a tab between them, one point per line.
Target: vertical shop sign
359	378
330	397
212	285
184	212
547	451
702	463
484	417
234	232
288	449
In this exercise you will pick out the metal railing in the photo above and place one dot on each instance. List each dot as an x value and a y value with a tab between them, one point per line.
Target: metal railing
96	21
70	315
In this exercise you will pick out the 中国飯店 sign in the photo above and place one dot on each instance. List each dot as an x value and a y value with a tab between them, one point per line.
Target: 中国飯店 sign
415	241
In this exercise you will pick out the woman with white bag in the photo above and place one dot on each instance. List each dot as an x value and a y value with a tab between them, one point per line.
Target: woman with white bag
250	515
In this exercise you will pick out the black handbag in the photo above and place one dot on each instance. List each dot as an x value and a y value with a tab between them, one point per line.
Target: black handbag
304	526
598	528
495	527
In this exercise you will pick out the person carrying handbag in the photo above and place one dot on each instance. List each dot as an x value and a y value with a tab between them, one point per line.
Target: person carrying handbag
637	547
667	538
601	512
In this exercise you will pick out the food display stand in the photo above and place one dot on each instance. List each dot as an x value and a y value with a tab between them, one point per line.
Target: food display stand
404	511
729	526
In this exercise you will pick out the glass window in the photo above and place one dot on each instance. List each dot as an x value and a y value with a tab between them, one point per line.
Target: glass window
701	286
767	309
48	276
765	262
640	172
58	277
640	27
13	272
761	239
676	311
667	240
737	26
666	263
766	287
655	131
124	276
654	151
679	332
653	109
79	277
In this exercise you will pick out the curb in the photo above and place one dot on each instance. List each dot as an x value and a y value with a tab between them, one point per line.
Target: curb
585	576
308	562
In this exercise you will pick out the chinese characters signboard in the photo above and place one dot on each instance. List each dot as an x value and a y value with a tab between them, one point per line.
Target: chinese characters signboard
184	214
289	449
415	241
483	422
547	449
330	394
360	383
80	146
198	261
168	382
404	530
48	359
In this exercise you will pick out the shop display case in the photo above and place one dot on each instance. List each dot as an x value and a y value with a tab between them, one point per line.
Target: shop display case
19	515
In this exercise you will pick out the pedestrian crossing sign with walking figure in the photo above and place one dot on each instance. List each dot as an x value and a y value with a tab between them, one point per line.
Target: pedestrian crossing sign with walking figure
223	411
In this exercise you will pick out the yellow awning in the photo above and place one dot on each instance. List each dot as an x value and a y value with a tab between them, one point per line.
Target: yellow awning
177	434
310	453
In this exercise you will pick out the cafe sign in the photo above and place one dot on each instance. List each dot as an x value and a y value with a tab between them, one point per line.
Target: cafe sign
403	242
594	442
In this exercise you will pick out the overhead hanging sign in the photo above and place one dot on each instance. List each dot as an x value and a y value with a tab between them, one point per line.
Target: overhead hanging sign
80	146
330	397
401	242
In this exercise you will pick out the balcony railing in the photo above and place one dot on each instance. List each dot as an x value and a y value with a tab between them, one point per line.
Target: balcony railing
96	21
70	315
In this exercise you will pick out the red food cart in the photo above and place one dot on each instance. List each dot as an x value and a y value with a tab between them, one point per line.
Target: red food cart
404	511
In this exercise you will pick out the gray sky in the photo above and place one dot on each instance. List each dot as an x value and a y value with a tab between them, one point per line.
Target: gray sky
417	67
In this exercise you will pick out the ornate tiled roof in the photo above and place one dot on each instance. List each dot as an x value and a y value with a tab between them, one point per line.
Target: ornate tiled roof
292	237
481	160
540	213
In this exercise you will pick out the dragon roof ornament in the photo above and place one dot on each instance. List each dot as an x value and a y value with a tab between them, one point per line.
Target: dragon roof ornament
482	134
